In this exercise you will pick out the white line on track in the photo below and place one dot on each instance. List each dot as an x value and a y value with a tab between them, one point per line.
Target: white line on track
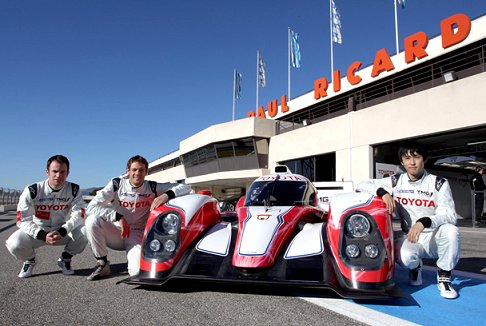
358	312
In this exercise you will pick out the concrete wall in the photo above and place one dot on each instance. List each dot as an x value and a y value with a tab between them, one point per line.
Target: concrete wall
169	175
7	208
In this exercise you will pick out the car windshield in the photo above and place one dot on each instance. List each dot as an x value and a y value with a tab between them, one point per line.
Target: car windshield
276	193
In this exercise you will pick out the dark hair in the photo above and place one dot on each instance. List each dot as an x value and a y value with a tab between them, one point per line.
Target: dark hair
59	159
139	159
412	146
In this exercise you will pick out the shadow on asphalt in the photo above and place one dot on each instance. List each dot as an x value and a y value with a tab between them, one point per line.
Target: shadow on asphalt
116	270
6	227
472	265
190	286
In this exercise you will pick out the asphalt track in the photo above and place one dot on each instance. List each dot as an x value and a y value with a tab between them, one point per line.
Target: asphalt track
49	297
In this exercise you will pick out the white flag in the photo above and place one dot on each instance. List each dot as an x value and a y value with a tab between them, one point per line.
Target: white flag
336	24
262	80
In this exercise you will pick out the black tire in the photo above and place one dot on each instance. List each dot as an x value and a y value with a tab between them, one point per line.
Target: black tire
230	207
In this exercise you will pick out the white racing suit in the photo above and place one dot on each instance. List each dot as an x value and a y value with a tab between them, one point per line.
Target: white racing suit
119	198
431	197
41	210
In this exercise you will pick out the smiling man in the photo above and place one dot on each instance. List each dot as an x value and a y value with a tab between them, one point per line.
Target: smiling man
49	212
426	209
117	215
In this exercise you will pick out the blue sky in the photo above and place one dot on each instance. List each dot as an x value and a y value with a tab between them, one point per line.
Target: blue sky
102	80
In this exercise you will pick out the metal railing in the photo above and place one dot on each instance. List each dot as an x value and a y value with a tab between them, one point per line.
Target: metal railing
9	196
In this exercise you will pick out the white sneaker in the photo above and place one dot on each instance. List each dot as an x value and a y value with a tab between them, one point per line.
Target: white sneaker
65	266
415	276
27	268
445	286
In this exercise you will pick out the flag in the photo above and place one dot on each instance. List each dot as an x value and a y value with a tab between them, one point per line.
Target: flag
401	3
262	81
294	49
238	78
336	24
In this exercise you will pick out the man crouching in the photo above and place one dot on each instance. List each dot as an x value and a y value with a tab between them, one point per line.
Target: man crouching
116	217
425	206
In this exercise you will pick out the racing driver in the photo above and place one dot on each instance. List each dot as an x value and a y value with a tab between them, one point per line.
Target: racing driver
425	206
49	212
116	217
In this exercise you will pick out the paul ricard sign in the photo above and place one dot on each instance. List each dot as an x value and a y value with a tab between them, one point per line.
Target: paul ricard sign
454	30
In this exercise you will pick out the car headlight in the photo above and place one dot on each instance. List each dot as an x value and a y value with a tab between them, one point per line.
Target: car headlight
155	245
163	237
170	245
371	251
358	226
352	250
170	223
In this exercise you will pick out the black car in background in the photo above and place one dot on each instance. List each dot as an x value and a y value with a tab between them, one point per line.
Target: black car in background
229	204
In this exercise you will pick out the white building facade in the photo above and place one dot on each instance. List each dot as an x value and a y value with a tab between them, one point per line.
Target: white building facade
433	91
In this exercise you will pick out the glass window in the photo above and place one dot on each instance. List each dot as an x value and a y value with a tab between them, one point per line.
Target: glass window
277	193
190	159
224	149
206	154
244	147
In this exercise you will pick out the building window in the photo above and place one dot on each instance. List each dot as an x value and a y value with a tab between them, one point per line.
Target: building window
164	165
233	155
314	168
244	147
224	149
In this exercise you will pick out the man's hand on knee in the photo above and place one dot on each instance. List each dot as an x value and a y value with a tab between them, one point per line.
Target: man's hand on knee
53	237
414	233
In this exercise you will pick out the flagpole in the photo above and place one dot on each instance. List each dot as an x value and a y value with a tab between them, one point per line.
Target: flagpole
234	92
332	52
396	26
288	64
258	57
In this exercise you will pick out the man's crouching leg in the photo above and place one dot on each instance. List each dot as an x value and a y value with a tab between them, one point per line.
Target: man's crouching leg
97	230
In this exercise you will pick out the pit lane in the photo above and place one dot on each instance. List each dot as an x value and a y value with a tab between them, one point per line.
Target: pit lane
49	297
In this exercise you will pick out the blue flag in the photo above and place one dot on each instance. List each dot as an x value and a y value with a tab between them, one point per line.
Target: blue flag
238	78
294	49
401	3
262	80
336	24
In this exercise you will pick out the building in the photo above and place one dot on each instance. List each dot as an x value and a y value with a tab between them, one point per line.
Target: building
433	91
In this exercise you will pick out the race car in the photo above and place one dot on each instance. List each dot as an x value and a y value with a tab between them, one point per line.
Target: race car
278	236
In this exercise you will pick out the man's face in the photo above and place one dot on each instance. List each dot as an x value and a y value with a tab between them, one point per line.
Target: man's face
136	174
57	174
413	164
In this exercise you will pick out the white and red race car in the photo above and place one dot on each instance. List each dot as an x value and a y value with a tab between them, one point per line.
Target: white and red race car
278	236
